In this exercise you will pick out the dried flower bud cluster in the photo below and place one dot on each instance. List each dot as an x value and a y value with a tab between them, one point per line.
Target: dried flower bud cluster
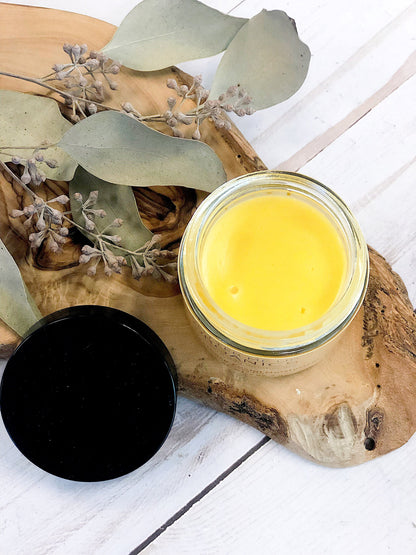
31	171
88	212
83	79
112	263
235	99
147	260
46	221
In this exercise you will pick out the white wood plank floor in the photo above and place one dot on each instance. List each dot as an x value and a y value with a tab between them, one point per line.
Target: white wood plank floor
218	486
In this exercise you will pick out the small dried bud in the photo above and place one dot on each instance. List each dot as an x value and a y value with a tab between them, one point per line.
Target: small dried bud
172	122
92	108
116	239
16	213
92	270
26	176
113	85
58	67
78	197
67	48
114	69
171	84
250	111
29	210
61	75
171	102
177	133
93	54
89	224
35	239
63	231
75	118
118	222
16	159
56	217
93	196
232	91
102	58
197	80
51	163
183	90
100	213
127	107
84	258
92	64
240	112
76	51
227	125
82	60
53	246
84	48
86	249
40	224
39	157
83	82
187	120
196	135
108	271
59	239
121	260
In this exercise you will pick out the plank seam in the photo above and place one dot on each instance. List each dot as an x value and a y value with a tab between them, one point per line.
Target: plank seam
317	145
199	496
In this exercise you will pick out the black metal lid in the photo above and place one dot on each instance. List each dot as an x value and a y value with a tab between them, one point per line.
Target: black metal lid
90	393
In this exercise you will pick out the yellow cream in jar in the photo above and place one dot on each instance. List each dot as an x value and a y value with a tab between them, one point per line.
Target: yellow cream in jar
274	262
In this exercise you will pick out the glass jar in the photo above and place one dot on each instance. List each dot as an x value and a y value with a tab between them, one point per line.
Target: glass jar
266	352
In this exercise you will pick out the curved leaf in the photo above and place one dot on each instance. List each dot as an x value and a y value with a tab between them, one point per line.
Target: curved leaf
160	33
28	120
118	201
266	58
17	308
121	150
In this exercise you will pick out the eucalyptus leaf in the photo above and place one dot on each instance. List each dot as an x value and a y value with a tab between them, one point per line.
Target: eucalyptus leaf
118	202
116	148
28	120
17	308
266	58
160	33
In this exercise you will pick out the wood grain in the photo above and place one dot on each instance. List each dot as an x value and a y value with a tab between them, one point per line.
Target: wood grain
346	410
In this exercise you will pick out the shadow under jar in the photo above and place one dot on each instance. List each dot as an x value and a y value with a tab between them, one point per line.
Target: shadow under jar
273	267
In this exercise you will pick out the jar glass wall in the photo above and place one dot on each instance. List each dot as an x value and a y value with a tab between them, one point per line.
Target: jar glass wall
259	350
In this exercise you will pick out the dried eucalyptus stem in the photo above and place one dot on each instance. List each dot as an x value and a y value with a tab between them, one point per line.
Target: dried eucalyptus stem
82	85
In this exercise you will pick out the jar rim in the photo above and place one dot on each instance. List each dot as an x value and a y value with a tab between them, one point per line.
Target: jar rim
258	341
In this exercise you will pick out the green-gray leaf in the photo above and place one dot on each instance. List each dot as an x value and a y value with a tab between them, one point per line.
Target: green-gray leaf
118	201
121	150
266	58
160	33
28	120
17	307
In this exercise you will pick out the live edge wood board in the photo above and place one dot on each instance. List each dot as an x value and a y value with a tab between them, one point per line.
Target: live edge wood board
357	404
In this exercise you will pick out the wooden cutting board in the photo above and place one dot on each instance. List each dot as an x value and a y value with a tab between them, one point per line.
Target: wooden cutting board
357	404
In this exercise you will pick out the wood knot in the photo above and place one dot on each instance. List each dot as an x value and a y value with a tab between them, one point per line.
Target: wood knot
372	429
